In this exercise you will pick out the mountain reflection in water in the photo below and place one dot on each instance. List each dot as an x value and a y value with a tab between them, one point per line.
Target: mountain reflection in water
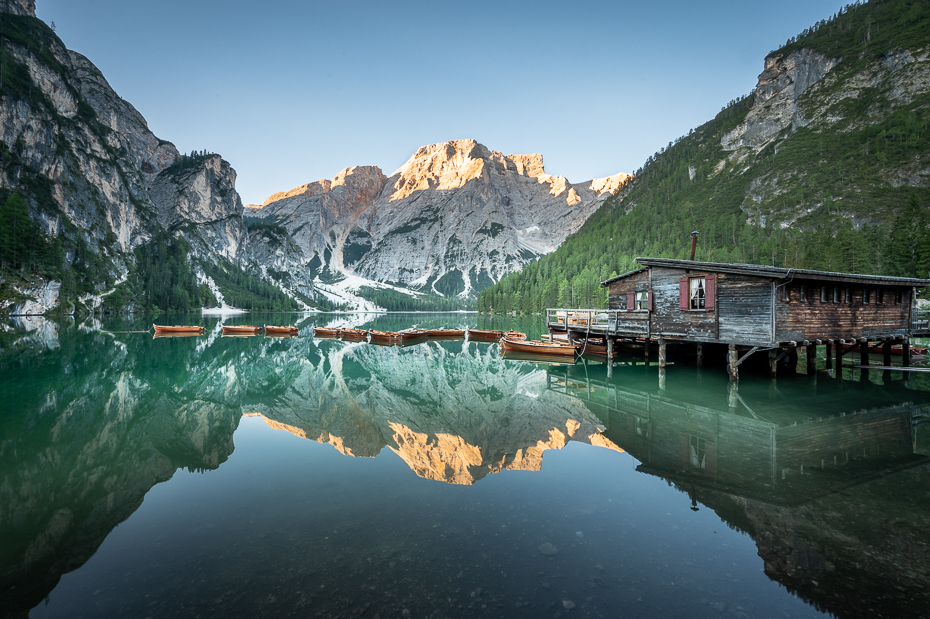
828	478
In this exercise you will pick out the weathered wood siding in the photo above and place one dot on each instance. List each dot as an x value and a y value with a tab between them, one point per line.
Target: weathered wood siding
616	291
667	317
744	305
813	319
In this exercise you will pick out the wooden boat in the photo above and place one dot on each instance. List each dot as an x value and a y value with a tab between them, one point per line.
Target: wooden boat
159	335
241	330
482	334
280	331
353	334
189	329
384	337
538	348
516	335
324	332
897	350
445	332
411	335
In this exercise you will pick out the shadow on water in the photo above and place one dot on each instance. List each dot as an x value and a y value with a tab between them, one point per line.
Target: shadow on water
827	476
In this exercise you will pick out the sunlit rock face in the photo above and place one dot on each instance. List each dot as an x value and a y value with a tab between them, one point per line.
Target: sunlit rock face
451	416
453	219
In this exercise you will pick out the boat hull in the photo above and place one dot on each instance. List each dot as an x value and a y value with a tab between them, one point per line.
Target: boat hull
241	330
446	333
482	334
280	331
324	332
537	348
190	329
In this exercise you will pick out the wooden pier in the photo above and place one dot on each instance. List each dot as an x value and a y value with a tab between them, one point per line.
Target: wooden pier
738	310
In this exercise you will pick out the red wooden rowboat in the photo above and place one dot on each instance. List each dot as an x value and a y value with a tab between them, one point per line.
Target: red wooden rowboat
411	335
353	334
538	348
285	331
482	334
515	335
445	332
241	330
383	337
163	329
324	332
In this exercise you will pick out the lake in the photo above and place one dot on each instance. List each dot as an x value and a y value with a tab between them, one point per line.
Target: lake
217	476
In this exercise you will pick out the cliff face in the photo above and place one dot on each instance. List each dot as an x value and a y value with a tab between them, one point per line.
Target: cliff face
91	171
453	219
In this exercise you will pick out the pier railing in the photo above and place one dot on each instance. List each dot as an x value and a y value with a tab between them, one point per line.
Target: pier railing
920	323
615	322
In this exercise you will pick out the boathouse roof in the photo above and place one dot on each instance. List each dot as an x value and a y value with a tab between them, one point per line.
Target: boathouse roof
759	270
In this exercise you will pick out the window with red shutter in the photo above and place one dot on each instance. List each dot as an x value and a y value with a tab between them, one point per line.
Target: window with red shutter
630	301
683	298
650	301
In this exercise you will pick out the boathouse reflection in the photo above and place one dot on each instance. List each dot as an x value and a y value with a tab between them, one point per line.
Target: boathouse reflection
826	490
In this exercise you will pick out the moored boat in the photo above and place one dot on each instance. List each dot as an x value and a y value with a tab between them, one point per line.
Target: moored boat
516	335
353	334
484	334
324	332
538	348
280	331
383	337
411	335
445	332
189	329
241	330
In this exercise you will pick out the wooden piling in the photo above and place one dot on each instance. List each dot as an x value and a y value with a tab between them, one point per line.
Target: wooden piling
906	353
663	358
829	361
773	362
700	354
732	360
812	358
886	353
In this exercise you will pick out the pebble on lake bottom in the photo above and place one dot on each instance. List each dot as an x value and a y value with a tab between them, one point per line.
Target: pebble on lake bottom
568	604
548	549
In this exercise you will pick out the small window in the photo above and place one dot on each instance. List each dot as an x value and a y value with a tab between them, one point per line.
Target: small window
696	453
897	297
847	296
836	295
804	293
784	293
880	296
823	294
865	295
642	300
697	291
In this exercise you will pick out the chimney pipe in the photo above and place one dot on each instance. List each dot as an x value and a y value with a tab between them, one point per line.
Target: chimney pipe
693	244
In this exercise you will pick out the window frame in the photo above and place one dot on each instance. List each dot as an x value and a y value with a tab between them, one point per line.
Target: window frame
697	295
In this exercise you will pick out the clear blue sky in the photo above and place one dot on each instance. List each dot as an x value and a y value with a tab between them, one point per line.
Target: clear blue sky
291	92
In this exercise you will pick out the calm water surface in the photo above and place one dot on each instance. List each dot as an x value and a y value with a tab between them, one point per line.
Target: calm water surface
237	477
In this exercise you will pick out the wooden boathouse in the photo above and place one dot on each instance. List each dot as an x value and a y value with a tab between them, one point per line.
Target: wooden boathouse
744	308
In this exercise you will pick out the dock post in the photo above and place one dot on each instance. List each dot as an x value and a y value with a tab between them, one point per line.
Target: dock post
700	354
663	357
661	378
732	359
610	350
864	351
732	395
610	369
886	353
646	350
773	363
906	353
811	359
839	358
829	364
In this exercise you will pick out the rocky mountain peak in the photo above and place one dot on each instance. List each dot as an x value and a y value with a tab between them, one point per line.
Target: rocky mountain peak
18	7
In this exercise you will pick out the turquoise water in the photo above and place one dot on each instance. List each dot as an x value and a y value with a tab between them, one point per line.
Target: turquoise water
225	477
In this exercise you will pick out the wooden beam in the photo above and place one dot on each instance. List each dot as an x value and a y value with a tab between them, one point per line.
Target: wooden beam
744	357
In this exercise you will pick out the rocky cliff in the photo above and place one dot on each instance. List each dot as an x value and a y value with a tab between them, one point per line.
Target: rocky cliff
455	218
93	175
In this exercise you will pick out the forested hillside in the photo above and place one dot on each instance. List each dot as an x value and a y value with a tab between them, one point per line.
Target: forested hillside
841	183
